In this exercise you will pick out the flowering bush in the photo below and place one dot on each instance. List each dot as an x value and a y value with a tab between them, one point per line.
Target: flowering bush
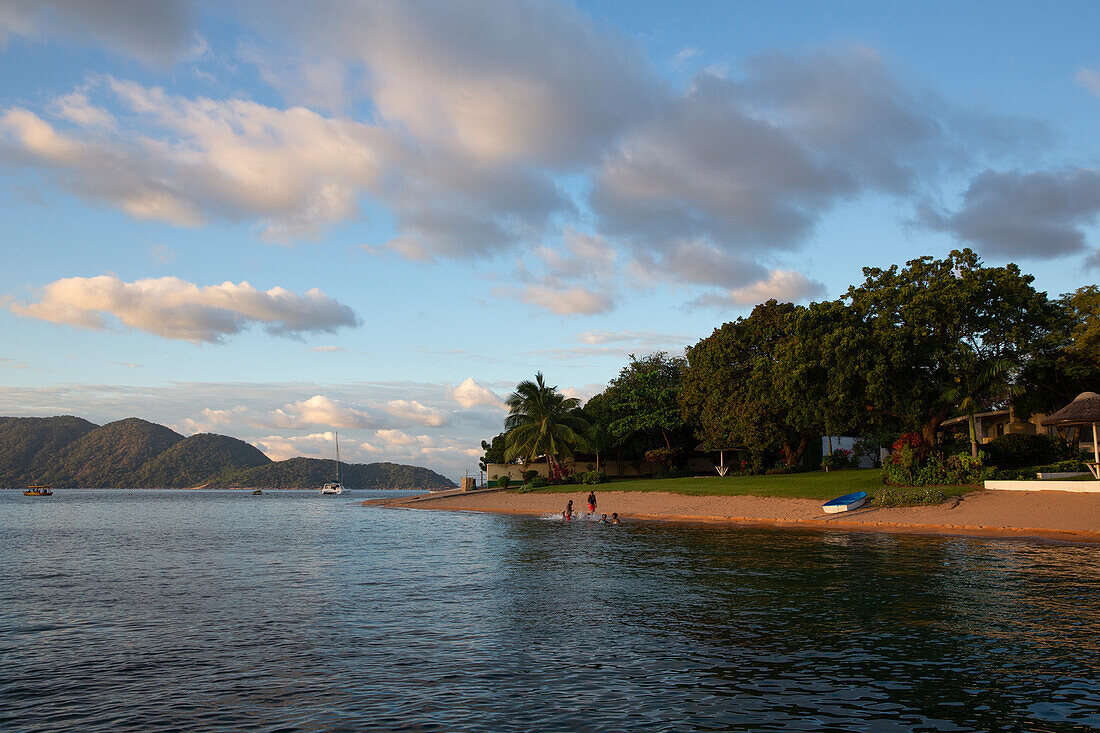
918	466
840	458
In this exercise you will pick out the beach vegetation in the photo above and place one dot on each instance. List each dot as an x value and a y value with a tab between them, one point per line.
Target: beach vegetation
896	356
908	496
594	477
542	421
1018	450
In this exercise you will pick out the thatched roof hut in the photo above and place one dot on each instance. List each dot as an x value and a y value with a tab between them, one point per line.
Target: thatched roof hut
1084	410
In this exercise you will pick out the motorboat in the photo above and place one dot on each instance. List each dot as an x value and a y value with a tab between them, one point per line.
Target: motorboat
38	491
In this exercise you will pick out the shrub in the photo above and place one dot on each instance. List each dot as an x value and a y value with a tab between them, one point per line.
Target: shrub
538	482
524	489
908	496
503	481
528	475
840	458
1017	450
866	448
664	456
1029	472
903	468
674	473
594	477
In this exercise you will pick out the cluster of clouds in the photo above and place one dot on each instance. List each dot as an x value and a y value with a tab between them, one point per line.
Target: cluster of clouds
435	425
177	309
471	118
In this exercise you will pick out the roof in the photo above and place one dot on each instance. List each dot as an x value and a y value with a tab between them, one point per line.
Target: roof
1083	410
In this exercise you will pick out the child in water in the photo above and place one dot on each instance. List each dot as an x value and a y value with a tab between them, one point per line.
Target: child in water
614	518
591	502
603	520
568	513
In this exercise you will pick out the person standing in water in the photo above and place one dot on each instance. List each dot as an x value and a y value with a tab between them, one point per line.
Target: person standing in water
569	510
591	502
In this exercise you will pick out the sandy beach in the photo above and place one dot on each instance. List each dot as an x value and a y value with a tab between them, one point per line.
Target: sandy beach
1052	515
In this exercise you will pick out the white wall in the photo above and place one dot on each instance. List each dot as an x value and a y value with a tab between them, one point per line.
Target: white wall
846	442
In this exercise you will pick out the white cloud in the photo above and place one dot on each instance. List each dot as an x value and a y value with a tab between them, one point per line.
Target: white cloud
781	285
470	394
320	410
411	412
176	309
685	56
502	81
568	301
280	448
1090	80
76	109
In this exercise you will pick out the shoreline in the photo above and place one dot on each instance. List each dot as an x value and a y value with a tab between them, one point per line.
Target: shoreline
1046	515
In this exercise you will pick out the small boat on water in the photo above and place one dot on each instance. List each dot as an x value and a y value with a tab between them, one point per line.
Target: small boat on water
335	487
845	503
258	492
38	491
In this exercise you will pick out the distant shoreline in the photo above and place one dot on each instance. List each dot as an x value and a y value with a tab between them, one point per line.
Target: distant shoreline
1048	515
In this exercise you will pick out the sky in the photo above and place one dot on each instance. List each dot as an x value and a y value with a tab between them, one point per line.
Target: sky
280	220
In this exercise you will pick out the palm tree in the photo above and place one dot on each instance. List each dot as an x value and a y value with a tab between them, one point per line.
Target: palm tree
992	377
541	420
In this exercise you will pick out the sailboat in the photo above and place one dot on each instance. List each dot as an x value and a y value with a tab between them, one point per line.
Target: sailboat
335	487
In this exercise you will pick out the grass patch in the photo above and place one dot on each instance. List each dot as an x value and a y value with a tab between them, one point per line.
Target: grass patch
810	485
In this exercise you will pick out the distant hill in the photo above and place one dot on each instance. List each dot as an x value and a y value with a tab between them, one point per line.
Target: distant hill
311	472
69	451
202	458
29	445
111	455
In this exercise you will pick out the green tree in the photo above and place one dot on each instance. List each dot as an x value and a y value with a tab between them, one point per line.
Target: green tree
925	327
1067	362
494	452
598	438
542	421
737	390
644	398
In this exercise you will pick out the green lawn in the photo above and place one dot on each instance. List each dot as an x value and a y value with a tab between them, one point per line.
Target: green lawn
812	485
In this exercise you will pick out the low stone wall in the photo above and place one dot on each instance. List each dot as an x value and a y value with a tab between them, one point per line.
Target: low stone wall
1075	486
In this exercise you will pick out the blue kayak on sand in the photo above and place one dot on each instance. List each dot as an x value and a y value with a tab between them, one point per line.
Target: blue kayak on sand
845	503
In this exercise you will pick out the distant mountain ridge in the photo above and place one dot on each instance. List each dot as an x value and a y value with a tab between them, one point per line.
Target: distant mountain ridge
67	451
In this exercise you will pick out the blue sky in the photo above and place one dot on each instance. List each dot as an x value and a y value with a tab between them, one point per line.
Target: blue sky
277	220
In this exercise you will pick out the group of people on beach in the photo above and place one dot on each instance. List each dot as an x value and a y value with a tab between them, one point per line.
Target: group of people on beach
569	514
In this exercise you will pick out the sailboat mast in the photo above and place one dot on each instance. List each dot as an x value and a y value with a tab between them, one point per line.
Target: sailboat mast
337	455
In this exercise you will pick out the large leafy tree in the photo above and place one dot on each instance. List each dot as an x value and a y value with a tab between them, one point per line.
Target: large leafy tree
1067	362
926	326
738	389
542	421
644	398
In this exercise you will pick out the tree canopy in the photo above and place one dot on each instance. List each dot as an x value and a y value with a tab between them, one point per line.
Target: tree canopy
541	420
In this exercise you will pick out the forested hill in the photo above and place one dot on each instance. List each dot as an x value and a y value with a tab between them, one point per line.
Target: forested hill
69	451
312	472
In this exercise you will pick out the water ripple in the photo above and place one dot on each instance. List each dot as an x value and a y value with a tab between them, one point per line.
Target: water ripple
214	611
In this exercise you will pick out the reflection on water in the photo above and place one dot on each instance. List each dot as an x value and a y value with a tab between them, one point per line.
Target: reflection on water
218	610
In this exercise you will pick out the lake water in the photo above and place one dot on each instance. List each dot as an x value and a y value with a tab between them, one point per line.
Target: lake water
292	611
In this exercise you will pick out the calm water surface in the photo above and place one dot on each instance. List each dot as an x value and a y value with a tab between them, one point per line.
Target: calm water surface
291	611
